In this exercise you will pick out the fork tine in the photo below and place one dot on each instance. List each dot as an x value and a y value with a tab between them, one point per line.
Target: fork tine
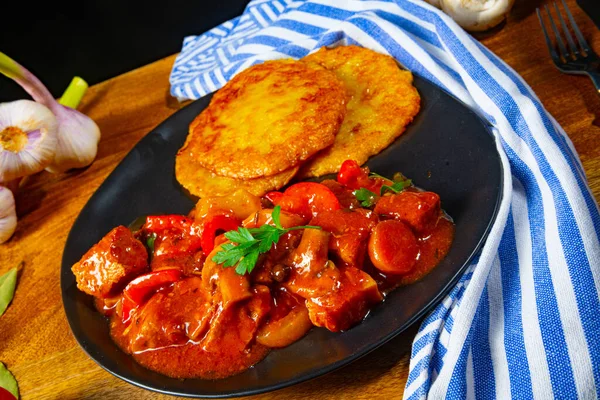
559	41
584	45
553	53
566	31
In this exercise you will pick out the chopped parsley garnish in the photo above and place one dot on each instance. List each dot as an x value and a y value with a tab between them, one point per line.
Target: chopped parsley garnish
248	244
150	242
376	175
365	196
368	198
396	187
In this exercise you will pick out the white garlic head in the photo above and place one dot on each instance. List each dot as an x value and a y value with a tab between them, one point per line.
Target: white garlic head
27	138
477	15
78	137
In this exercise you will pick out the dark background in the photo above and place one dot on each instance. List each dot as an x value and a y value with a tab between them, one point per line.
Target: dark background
98	40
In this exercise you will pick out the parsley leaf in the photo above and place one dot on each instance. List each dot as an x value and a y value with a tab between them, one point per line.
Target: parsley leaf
275	216
248	244
150	242
268	239
365	196
375	175
397	187
241	235
247	264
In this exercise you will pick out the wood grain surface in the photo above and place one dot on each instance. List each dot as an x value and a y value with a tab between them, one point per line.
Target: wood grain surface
35	341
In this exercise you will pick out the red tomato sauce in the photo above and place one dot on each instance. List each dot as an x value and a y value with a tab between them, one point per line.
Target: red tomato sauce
190	360
183	301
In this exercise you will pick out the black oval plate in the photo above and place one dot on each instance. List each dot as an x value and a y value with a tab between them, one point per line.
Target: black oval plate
447	149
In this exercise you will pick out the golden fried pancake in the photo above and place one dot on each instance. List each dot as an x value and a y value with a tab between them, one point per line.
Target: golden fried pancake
201	182
382	101
267	119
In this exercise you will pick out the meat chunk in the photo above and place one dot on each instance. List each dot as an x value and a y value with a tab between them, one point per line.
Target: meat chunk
417	209
346	305
344	195
349	233
336	298
111	263
172	318
223	283
188	263
235	325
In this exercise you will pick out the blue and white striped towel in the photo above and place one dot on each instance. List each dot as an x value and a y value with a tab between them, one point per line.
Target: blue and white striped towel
524	321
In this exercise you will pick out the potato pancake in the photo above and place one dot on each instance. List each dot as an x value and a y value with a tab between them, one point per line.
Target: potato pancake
382	102
201	182
267	119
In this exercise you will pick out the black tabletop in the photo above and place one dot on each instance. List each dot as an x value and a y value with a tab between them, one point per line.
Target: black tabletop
98	40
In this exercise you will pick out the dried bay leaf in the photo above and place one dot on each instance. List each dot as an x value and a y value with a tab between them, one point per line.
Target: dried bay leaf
8	282
8	381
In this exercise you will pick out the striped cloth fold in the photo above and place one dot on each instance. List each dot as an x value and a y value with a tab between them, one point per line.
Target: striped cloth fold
524	320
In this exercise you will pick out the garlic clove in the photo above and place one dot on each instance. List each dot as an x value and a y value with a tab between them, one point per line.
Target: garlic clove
8	214
78	138
78	135
27	138
477	15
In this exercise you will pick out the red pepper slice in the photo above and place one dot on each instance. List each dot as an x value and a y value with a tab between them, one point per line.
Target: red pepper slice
213	224
159	223
354	177
307	199
175	234
139	290
350	173
273	197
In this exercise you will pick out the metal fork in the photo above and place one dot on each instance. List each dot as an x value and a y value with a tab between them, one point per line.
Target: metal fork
579	61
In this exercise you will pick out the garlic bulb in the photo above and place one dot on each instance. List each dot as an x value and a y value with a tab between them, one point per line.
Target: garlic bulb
477	15
27	138
78	135
78	138
8	214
